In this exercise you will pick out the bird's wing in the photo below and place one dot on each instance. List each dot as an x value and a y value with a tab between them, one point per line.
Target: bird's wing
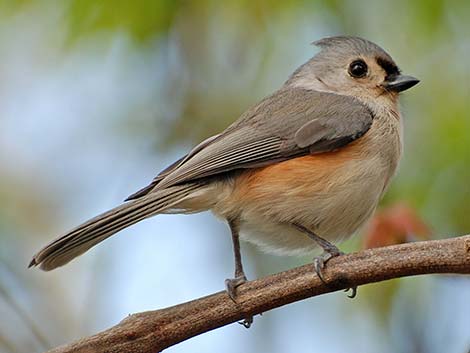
287	124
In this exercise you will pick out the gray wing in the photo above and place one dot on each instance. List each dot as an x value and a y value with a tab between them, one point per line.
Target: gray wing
287	124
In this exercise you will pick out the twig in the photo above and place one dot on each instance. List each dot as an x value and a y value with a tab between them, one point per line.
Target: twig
153	331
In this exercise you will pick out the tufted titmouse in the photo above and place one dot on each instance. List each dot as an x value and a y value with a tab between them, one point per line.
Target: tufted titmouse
304	167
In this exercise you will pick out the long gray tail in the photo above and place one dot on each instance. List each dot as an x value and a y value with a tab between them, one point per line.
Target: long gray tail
74	243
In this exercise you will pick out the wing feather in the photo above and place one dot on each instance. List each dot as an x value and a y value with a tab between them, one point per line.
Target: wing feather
290	123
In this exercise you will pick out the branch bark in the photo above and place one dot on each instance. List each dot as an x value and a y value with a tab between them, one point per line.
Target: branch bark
153	331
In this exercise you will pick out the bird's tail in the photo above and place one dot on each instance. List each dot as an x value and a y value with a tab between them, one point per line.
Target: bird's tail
74	243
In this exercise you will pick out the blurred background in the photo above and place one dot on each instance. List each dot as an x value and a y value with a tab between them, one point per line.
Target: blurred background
97	96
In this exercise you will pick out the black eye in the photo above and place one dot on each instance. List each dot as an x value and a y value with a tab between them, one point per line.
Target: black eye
358	68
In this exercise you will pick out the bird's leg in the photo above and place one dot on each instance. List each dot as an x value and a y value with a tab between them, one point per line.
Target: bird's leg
240	278
329	251
231	284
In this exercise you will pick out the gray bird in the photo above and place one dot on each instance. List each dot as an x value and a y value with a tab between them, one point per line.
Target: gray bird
301	169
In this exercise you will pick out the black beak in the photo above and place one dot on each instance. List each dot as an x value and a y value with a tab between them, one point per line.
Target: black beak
400	83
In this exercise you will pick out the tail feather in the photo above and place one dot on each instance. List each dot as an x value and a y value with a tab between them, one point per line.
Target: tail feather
80	239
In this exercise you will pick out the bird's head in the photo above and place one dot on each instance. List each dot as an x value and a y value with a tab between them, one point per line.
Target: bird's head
352	66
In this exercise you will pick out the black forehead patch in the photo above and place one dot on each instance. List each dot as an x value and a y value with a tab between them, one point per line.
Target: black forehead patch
389	66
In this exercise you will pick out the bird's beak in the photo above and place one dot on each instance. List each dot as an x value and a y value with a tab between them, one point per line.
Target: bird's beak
400	83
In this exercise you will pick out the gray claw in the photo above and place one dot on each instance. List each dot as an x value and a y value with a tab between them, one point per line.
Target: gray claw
329	251
353	292
319	265
319	262
231	285
247	322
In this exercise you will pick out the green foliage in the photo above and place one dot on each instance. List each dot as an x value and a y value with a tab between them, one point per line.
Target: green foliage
141	19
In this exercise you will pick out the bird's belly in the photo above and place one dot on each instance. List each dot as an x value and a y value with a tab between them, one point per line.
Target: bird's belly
331	194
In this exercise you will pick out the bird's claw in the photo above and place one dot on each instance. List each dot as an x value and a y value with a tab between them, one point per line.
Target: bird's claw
231	285
319	263
246	323
353	292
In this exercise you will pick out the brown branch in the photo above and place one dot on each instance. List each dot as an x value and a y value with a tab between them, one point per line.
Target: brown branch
153	331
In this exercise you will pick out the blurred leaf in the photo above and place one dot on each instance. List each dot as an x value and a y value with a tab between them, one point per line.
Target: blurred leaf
393	225
143	19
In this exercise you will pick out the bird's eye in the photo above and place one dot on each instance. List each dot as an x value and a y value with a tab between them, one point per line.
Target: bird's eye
358	68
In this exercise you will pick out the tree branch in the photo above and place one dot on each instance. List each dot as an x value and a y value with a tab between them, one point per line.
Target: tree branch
153	331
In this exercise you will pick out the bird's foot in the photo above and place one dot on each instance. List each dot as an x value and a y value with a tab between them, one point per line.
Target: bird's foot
320	261
231	285
246	323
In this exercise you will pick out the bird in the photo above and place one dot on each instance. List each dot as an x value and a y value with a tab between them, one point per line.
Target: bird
299	171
